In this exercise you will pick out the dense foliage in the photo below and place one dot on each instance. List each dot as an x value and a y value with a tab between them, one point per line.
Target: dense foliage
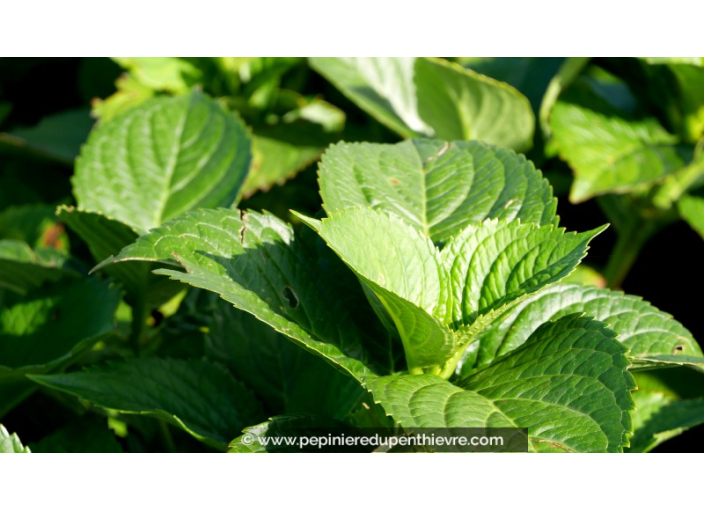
229	245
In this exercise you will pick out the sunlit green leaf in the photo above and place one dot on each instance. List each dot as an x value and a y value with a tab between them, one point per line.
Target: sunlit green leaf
161	159
432	97
254	261
642	328
437	187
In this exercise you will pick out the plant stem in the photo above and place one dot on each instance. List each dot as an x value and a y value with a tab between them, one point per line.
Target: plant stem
629	243
139	319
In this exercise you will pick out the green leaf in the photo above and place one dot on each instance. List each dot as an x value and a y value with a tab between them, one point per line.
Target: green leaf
686	85
667	403
495	263
434	98
436	186
201	398
254	261
567	73
383	87
130	93
675	186
48	329
86	435
277	159
642	328
585	275
105	238
691	209
57	137
172	74
23	269
297	140
695	61
11	443
403	269
163	158
283	374
691	87
432	402
50	325
14	388
668	361
610	153
531	76
567	384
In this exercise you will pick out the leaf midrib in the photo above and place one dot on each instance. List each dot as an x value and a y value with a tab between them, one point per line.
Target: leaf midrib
179	131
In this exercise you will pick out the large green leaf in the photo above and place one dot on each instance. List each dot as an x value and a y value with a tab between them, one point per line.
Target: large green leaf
165	157
567	384
200	397
255	262
691	208
23	269
641	327
668	402
403	269
281	373
610	153
436	186
11	443
495	263
432	97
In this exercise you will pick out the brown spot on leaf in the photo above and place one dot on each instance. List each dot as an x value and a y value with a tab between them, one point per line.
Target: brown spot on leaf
51	238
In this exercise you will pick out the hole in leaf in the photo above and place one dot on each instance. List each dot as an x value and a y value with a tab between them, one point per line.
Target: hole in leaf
678	349
290	297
